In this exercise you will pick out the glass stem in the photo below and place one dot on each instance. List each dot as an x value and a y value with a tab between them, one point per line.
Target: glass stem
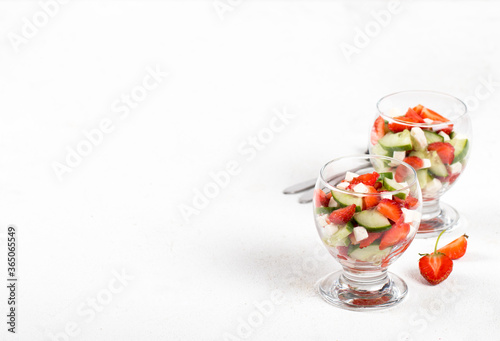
430	209
373	281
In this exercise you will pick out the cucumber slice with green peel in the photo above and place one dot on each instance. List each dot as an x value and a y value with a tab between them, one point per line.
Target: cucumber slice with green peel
371	253
453	134
372	220
423	177
325	210
379	150
345	199
432	137
339	238
393	185
383	175
437	166
396	142
461	148
349	226
422	154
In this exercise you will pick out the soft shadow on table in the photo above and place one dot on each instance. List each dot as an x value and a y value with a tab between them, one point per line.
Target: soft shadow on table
286	267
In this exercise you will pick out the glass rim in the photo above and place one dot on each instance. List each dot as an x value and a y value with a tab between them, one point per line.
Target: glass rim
365	156
426	125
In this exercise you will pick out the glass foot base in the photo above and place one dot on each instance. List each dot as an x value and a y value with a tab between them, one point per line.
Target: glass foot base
334	290
447	219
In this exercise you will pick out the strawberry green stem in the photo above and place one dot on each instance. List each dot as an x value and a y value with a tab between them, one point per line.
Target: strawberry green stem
437	241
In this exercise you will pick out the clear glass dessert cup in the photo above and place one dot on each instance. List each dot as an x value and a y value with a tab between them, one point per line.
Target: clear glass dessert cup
446	123
364	282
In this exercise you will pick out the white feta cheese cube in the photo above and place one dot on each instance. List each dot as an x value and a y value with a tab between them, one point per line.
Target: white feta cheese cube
428	120
456	167
330	229
333	203
386	196
360	233
343	185
418	138
349	176
411	215
360	188
322	220
427	163
433	186
399	155
445	136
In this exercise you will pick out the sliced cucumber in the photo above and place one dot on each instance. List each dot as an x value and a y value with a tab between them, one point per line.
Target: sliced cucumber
432	137
452	134
422	154
372	220
393	185
371	253
461	148
349	226
423	177
437	166
397	142
345	199
325	210
379	150
339	238
383	175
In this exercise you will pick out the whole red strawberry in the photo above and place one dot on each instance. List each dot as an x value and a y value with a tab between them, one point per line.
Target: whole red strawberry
435	267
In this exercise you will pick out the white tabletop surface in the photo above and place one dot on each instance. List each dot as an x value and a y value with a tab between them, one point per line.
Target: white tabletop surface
104	252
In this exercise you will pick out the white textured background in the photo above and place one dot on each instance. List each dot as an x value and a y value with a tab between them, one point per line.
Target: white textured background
229	71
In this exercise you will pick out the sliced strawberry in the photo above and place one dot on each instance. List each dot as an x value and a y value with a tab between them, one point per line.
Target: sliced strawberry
453	177
378	185
456	249
430	114
371	200
378	130
342	215
435	267
368	179
342	252
445	151
400	201
395	235
398	127
410	202
413	115
389	209
402	172
448	129
402	249
418	109
372	236
320	198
